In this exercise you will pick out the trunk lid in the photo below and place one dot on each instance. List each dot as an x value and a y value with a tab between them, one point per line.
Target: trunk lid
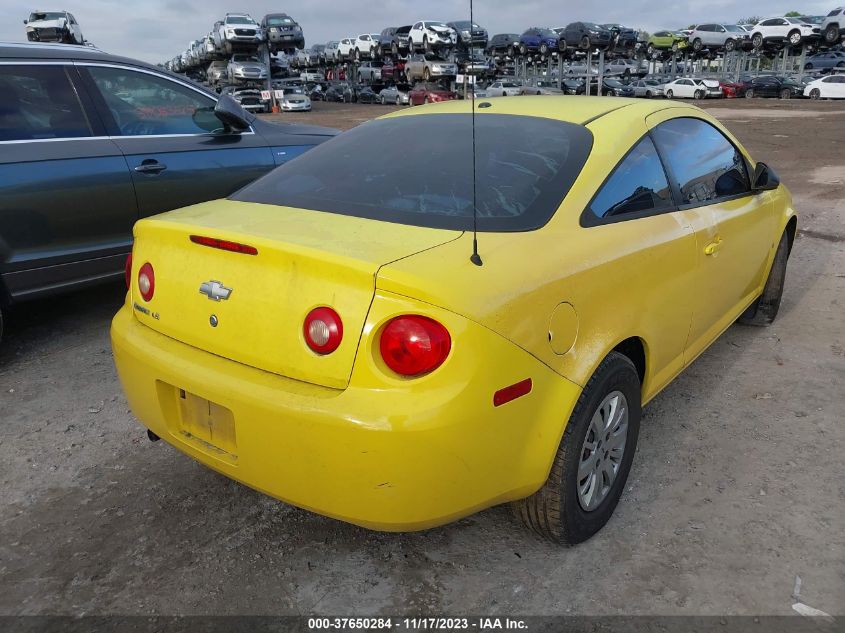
305	259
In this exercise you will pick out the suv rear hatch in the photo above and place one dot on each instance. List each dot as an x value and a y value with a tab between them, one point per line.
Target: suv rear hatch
305	259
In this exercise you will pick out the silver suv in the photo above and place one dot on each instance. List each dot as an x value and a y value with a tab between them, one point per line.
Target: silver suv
831	27
728	36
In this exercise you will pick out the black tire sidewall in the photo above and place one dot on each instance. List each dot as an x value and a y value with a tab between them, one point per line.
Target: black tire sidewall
616	373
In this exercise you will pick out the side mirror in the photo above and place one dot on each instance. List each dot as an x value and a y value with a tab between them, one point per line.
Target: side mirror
26	21
765	178
234	117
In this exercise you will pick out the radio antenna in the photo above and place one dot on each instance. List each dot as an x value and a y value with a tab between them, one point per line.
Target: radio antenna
475	258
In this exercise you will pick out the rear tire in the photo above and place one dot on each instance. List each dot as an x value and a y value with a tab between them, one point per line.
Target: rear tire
557	511
749	94
764	310
831	35
785	93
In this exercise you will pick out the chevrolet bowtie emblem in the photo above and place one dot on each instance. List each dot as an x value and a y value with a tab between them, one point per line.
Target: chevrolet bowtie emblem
215	291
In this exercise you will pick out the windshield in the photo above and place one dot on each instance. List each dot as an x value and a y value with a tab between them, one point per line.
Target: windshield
49	15
437	24
293	91
237	19
524	172
547	33
795	20
279	21
244	58
613	83
733	28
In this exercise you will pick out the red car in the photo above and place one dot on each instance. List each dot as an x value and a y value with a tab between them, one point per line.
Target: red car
731	89
393	71
429	93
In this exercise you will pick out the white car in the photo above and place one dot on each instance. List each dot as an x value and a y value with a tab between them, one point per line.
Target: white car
686	88
830	87
53	26
790	30
239	30
294	100
366	46
345	49
504	88
312	75
428	35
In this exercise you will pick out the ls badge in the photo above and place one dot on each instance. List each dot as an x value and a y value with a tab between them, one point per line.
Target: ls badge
215	291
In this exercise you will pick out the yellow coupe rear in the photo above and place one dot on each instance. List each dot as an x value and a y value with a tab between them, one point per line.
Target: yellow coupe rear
323	335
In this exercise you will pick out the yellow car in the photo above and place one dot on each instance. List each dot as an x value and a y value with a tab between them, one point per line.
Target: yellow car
329	336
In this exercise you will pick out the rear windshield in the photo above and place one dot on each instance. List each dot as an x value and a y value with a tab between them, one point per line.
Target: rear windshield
418	170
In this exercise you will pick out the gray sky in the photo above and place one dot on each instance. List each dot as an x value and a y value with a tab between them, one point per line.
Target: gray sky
156	30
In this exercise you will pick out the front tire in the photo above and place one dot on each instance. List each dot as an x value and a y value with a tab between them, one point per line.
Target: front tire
785	93
794	38
669	94
699	95
831	35
815	94
764	310
730	46
749	94
593	459
696	44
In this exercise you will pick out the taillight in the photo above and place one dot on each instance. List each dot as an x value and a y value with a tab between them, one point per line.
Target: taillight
323	330
146	281
127	272
412	345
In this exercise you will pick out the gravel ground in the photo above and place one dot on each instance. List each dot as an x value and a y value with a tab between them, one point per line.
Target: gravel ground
737	487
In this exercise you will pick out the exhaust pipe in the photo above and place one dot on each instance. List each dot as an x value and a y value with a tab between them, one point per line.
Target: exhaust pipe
152	436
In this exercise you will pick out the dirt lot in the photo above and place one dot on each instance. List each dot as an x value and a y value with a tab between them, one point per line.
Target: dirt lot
737	487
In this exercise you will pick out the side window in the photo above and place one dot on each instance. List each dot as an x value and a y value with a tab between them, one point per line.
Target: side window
144	104
39	102
637	185
706	165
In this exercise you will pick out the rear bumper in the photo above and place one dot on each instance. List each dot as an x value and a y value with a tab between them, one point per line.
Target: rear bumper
393	454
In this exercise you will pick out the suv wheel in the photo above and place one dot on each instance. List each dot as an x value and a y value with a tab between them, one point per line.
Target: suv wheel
696	44
522	49
544	49
426	44
831	35
757	40
730	45
511	51
794	38
585	43
426	74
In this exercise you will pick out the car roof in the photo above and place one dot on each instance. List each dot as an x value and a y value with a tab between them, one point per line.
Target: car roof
569	109
68	52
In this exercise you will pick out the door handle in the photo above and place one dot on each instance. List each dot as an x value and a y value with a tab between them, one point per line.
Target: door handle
150	166
713	247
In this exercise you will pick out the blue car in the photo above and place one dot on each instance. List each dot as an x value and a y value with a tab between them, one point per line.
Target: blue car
538	40
824	61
